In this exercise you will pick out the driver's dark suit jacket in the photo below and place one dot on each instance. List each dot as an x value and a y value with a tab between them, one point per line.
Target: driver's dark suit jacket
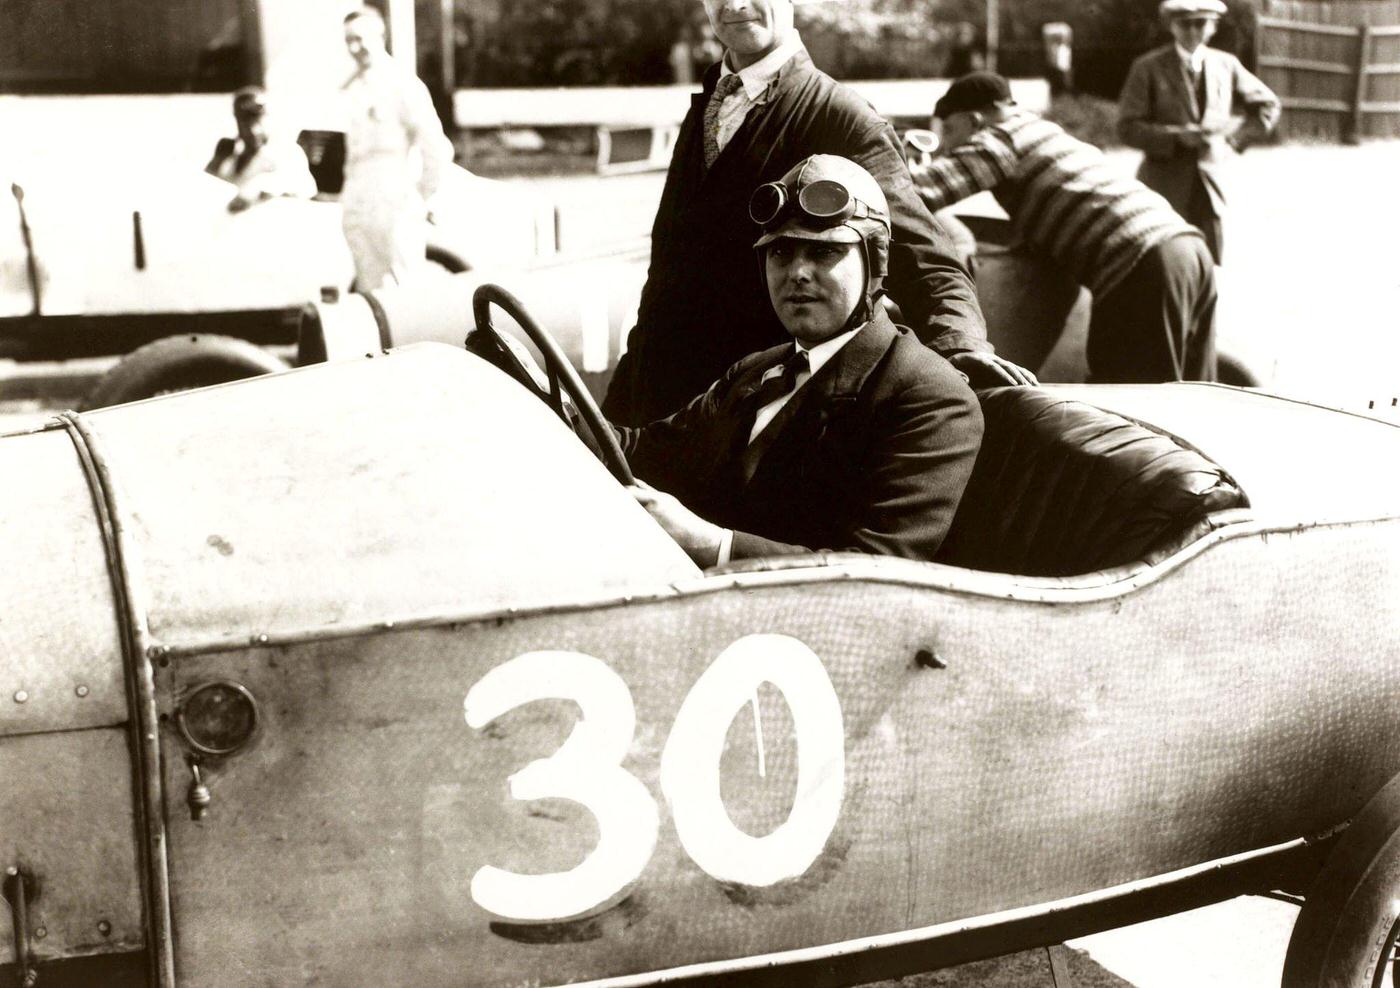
705	303
872	454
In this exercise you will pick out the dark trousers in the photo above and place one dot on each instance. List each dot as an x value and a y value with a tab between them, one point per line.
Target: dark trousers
1158	323
1200	213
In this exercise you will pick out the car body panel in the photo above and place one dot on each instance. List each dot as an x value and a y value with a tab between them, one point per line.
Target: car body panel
1076	748
358	516
68	823
57	624
799	755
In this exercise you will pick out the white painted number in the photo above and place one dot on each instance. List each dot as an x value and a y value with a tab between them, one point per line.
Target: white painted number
587	769
690	763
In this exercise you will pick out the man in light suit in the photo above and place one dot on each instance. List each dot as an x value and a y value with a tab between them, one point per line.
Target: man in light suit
851	436
1177	107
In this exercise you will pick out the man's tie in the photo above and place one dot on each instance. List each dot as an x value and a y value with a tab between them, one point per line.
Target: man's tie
777	385
726	86
770	390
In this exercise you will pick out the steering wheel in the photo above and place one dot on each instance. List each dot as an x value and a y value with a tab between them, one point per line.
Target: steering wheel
505	352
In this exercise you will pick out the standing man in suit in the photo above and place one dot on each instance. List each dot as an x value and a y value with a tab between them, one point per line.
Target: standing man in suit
762	109
852	435
1176	106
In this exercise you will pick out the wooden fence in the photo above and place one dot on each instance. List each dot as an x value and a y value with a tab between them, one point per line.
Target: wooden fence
1336	81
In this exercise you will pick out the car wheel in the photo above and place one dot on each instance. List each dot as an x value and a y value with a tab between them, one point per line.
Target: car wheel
180	363
446	260
1231	370
1346	933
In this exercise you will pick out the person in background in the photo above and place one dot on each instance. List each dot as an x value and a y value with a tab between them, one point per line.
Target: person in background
761	110
259	166
1150	272
1058	40
850	435
1177	105
394	157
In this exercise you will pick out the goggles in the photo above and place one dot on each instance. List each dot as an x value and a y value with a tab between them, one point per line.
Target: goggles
823	203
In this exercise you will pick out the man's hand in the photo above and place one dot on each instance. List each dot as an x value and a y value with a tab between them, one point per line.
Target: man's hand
987	370
237	204
698	537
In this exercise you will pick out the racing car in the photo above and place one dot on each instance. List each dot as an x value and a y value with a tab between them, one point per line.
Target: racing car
416	693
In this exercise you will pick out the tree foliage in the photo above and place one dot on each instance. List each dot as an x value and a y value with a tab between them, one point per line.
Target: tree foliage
562	42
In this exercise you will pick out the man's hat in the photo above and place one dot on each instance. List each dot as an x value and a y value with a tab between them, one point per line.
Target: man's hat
824	197
250	100
974	91
1170	10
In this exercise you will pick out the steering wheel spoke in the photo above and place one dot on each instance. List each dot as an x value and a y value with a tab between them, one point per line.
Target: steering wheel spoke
563	380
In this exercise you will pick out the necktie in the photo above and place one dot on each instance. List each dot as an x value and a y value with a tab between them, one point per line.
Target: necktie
770	390
726	86
776	386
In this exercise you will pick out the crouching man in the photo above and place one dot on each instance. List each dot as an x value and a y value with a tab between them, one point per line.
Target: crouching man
853	436
1150	272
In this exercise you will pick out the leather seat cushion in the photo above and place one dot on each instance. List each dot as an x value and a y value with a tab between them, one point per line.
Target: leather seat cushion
1062	488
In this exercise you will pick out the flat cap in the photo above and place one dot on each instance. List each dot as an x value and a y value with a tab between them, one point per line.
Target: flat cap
973	91
1171	9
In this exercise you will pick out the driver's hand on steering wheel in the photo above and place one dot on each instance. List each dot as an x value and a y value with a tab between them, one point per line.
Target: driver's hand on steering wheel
699	538
987	370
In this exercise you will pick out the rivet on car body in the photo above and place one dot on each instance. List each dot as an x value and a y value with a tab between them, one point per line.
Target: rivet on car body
41	932
82	691
21	696
927	659
104	927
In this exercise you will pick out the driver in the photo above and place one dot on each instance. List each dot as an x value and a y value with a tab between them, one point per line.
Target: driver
853	436
260	164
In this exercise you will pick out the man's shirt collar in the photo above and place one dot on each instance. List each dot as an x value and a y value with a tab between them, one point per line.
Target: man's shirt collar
760	75
1193	60
824	351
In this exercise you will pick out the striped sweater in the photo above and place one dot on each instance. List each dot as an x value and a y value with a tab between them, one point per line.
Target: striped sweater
1063	197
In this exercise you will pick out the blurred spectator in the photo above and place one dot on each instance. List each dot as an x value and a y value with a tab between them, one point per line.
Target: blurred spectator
966	52
259	166
682	64
1059	40
395	153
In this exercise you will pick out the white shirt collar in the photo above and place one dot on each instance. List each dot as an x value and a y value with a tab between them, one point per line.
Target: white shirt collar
1193	59
758	76
824	351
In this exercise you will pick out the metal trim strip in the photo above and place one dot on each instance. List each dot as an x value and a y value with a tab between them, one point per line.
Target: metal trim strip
145	739
883	955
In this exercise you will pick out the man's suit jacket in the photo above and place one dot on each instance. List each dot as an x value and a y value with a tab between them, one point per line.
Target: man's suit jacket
872	454
705	303
1159	102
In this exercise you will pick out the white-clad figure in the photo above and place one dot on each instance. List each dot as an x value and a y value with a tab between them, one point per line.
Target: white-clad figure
394	156
259	163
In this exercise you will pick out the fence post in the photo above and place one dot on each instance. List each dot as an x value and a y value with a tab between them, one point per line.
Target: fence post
1363	50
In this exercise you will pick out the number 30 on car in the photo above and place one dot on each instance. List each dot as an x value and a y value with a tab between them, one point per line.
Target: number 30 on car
587	769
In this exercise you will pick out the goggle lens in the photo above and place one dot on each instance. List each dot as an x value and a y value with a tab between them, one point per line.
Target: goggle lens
824	199
767	202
